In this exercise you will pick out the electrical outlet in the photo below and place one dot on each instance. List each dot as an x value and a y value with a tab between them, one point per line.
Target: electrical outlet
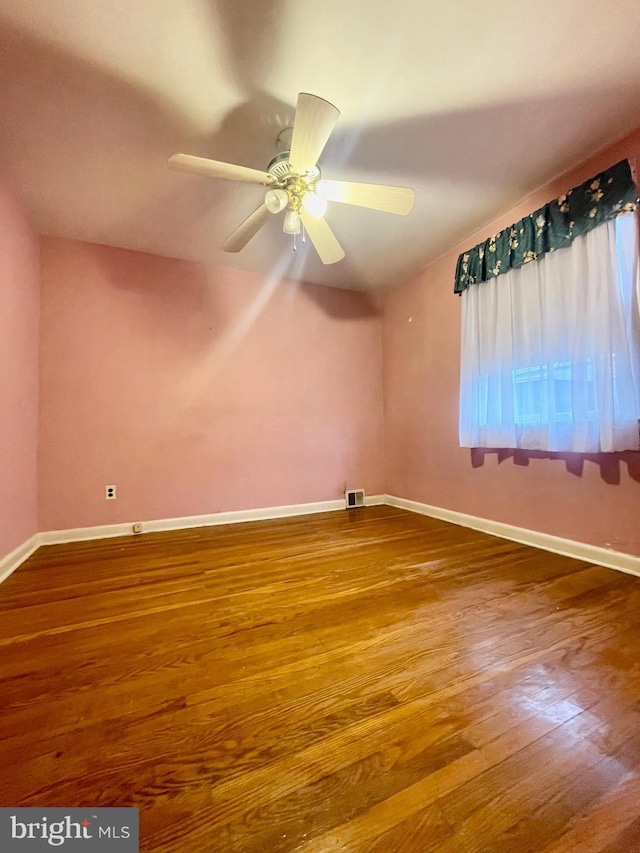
137	527
110	493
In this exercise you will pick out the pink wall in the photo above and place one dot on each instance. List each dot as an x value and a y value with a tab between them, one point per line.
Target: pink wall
594	500
196	389
19	310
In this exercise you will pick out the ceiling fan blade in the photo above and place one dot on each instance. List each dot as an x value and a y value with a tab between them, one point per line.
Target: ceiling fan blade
376	196
239	238
324	240
315	119
216	169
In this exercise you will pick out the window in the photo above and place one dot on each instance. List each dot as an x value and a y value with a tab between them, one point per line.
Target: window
551	350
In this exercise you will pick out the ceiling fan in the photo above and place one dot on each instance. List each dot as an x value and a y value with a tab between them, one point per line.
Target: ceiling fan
295	183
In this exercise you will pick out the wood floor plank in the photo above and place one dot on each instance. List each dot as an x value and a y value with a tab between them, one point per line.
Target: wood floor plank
366	681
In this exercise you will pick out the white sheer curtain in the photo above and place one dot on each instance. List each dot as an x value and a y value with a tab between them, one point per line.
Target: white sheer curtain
551	351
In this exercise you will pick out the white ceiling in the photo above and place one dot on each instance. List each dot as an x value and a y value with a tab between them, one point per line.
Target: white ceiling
472	104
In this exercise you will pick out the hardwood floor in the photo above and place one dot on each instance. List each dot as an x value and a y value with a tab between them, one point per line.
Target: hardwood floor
354	681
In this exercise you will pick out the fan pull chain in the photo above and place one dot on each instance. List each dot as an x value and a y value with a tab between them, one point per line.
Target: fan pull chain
295	248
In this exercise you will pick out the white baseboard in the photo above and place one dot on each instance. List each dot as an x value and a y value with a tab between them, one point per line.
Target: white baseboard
10	563
106	531
567	547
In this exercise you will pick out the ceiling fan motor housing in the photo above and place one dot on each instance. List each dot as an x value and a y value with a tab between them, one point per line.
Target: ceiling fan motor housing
296	186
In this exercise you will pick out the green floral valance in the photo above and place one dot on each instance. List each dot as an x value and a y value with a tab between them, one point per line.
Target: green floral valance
551	227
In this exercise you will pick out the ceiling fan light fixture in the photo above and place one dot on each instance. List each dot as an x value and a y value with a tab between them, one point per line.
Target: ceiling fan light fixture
315	204
276	200
291	222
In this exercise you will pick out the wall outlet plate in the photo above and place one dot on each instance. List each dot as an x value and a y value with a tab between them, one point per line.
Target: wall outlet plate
110	493
137	527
